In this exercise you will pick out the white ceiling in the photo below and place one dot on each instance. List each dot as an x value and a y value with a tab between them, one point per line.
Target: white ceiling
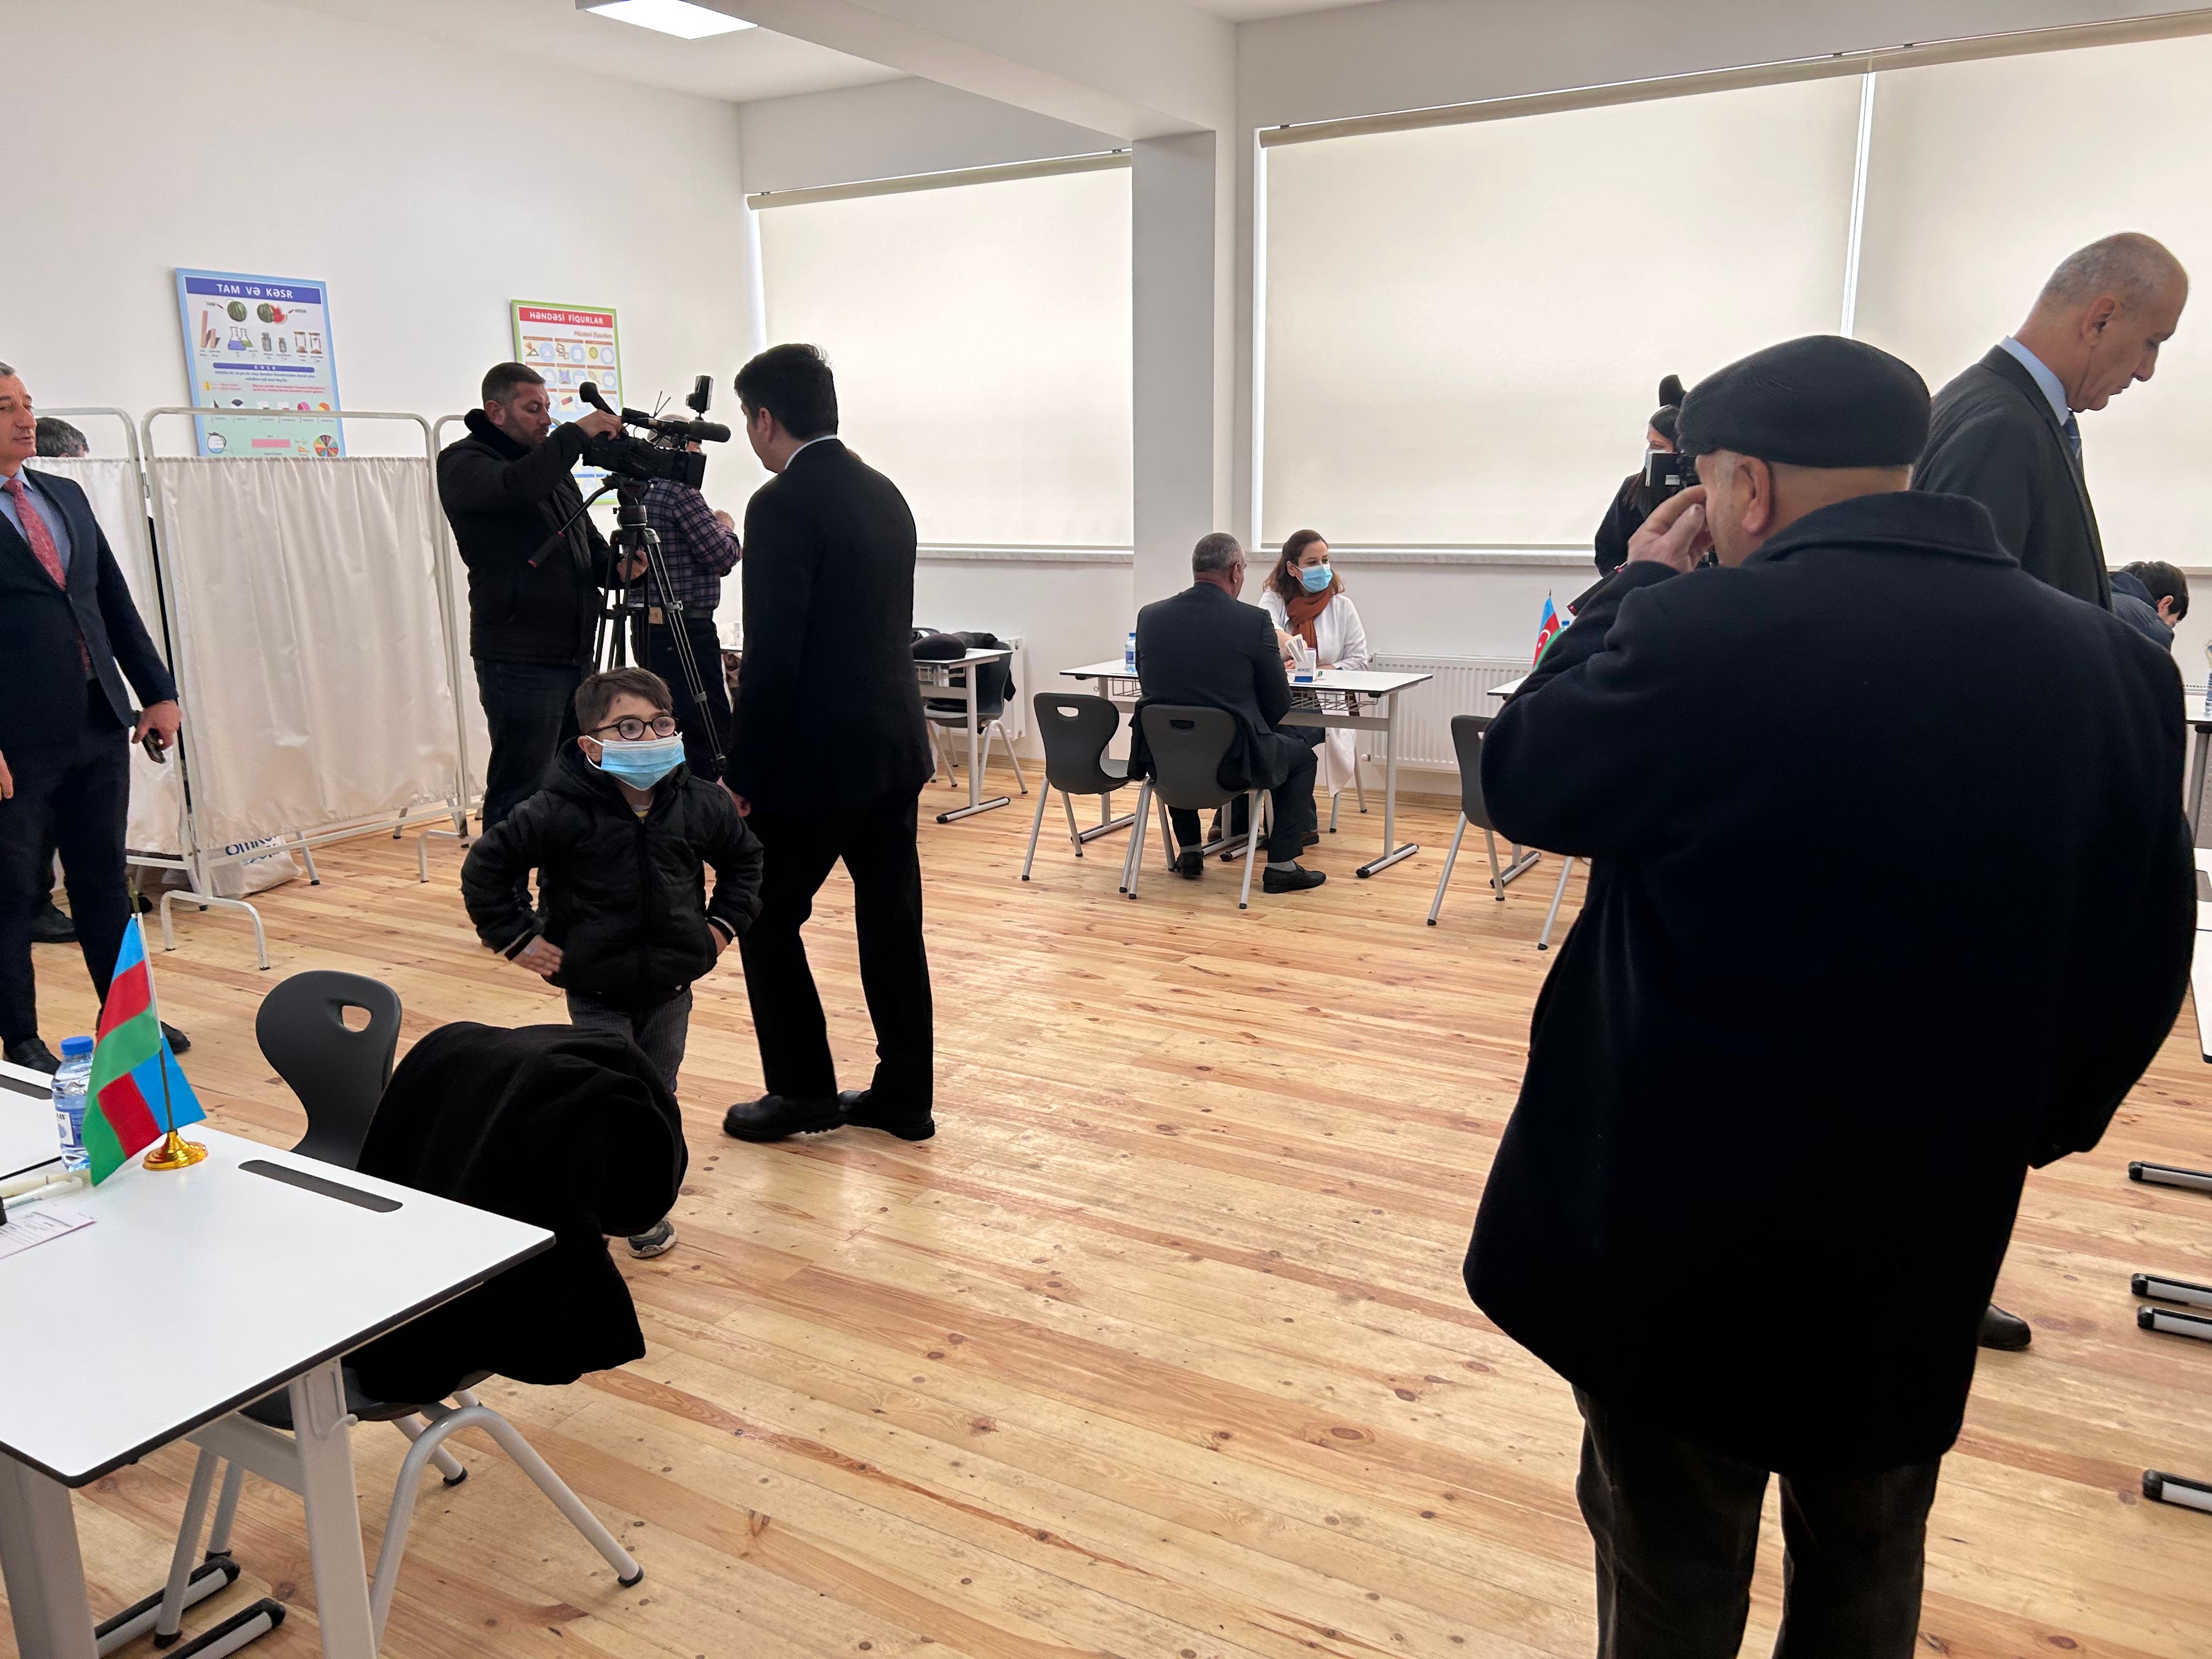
751	64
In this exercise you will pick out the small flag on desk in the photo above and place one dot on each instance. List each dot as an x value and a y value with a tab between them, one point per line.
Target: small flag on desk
1549	626
138	1090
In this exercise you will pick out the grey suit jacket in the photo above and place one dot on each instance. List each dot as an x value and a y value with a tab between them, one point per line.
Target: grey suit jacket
1994	436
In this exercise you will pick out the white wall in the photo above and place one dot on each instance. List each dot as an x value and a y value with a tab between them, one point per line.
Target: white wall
428	183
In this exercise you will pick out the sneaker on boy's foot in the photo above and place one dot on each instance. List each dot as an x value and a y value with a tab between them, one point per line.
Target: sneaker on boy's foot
659	1242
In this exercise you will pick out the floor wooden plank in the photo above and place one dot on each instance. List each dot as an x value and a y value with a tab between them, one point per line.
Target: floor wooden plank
1159	1348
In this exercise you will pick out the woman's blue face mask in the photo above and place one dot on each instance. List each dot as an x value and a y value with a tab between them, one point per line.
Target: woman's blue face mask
1316	577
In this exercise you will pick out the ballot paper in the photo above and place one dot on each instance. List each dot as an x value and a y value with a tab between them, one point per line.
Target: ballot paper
38	1224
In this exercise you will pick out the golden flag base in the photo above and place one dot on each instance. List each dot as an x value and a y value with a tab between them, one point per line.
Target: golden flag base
175	1152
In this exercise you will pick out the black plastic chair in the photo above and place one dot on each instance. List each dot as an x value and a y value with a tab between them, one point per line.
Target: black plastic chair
946	715
1075	729
338	1074
1187	746
1467	732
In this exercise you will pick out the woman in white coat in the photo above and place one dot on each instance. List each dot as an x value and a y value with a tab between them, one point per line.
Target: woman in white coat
1307	599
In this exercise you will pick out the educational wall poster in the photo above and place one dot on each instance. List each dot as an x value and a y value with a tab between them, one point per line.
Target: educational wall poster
568	345
260	343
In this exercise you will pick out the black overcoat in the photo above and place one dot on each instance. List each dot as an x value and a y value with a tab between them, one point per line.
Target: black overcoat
1890	897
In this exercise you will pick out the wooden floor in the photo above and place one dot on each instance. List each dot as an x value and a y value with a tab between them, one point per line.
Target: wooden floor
1159	1348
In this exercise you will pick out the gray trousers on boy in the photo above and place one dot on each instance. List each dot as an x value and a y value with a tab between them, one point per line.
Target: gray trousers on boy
659	1029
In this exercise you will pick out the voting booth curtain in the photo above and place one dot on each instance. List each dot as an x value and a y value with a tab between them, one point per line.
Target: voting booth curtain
118	502
304	611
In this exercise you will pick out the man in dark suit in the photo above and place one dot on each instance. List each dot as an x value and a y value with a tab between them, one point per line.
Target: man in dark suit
1206	646
69	634
1890	899
828	756
2004	431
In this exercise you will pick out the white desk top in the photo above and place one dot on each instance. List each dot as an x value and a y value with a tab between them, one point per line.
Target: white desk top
196	1291
999	655
1368	682
29	1135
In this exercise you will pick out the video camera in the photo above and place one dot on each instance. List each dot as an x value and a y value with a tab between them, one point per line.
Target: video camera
1666	474
664	454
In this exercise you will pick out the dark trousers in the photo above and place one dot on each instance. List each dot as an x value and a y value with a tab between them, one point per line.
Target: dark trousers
1676	1526
656	650
71	795
530	709
1294	814
876	840
658	1028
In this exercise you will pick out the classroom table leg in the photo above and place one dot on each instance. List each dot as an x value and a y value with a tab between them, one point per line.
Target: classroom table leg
322	1431
975	801
1392	853
45	1572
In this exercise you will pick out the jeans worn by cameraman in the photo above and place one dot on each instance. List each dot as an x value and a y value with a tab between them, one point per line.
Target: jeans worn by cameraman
530	709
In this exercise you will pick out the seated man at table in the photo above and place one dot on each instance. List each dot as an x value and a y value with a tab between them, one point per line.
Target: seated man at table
1207	646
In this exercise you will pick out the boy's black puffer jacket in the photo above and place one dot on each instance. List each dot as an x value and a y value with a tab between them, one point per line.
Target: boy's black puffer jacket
624	898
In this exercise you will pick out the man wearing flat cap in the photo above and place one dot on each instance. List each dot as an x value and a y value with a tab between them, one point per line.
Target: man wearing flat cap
1890	899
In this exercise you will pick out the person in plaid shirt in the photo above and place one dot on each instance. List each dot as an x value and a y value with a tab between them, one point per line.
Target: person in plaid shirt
699	544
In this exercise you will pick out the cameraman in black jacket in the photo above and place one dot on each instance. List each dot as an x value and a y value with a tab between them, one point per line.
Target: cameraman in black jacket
506	488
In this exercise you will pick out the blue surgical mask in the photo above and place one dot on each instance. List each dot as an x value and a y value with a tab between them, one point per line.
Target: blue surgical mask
643	764
1316	577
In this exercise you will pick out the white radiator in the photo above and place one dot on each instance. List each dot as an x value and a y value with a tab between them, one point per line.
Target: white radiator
1461	685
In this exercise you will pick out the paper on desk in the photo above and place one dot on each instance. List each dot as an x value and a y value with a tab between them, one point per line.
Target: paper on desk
38	1224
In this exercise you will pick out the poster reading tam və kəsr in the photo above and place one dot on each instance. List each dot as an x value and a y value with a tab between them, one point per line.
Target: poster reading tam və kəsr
261	343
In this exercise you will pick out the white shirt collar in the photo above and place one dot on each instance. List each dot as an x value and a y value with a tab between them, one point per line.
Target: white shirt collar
823	438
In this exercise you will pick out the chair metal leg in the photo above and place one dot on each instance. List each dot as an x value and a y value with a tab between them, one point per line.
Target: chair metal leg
449	1466
1166	834
1496	880
1134	859
1436	904
171	1618
226	1510
1035	824
1544	939
1335	803
1013	759
1074	833
1359	787
1253	809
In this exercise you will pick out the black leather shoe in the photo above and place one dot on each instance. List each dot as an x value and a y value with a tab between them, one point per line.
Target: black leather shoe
1190	864
33	1054
2002	1330
861	1112
1290	879
51	926
773	1117
178	1042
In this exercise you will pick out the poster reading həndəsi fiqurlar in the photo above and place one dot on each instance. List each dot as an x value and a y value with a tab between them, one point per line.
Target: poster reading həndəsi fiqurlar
261	343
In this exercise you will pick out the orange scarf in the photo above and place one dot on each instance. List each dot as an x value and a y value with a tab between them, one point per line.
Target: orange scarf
1305	608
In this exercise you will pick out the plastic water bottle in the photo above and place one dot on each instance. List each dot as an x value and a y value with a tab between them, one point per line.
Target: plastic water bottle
70	1084
1129	653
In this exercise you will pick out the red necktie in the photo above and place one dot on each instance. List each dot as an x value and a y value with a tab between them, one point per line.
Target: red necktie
41	539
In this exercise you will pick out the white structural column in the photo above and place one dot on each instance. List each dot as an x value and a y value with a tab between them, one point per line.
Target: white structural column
1173	224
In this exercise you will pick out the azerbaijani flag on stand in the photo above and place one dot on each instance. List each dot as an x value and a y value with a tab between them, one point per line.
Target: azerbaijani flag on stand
137	1089
1549	626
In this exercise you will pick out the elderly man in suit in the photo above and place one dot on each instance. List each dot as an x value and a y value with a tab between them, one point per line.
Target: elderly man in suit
828	757
2004	431
70	634
1841	979
1206	646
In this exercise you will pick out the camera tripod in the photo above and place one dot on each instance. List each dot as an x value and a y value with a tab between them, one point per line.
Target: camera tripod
611	649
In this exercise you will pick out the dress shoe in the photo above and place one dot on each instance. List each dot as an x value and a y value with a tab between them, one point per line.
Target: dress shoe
773	1117
1190	864
178	1042
2002	1330
51	926
1290	879
33	1055
861	1112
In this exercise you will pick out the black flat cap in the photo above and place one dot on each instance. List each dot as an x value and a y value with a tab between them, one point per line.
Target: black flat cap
1820	401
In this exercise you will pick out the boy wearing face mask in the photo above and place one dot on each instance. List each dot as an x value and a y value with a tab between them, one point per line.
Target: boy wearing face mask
621	837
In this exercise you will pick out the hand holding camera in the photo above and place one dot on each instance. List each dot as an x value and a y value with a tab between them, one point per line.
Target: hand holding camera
1675	535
